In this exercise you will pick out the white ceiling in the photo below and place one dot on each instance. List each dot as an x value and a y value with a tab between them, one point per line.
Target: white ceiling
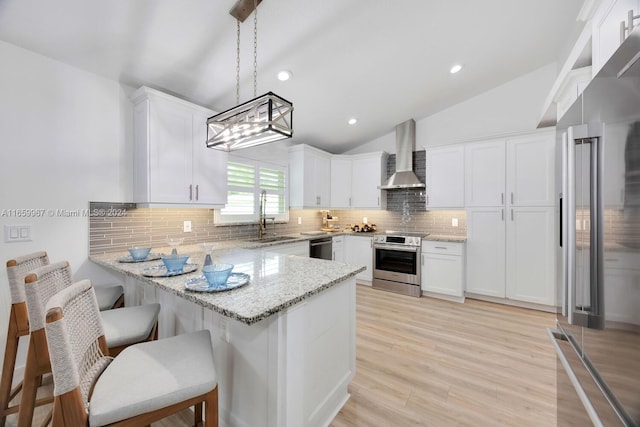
381	61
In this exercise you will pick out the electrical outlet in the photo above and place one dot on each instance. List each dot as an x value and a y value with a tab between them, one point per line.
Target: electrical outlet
454	222
186	227
299	220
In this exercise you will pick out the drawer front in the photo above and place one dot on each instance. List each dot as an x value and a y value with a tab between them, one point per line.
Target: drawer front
449	248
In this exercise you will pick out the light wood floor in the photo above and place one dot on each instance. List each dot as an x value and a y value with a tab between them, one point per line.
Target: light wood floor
427	362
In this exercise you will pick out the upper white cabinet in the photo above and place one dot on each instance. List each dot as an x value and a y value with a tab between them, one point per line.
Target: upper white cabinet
355	180
445	177
518	171
485	173
309	177
171	162
530	170
605	27
341	182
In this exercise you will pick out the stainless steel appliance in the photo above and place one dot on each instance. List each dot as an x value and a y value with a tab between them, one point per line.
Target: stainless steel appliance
321	248
597	339
396	262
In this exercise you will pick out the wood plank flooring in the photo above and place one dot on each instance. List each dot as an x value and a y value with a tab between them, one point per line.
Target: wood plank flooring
428	362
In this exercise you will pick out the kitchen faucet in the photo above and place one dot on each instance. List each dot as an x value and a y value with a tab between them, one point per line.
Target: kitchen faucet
262	220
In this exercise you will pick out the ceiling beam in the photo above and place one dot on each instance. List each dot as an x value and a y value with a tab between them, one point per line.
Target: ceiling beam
243	8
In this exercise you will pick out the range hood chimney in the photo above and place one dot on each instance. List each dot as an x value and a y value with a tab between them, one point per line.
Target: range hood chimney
405	143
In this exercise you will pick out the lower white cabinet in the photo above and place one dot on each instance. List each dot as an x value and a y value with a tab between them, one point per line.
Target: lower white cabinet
297	248
337	245
443	269
358	250
510	253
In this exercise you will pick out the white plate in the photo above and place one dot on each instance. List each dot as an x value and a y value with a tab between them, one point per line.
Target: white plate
161	270
200	284
150	257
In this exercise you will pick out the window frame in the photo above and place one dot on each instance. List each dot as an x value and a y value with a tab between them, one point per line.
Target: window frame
220	219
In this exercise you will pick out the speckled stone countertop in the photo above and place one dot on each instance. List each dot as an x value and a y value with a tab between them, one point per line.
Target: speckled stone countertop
446	238
277	281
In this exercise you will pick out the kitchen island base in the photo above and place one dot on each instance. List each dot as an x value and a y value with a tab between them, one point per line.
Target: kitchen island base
289	369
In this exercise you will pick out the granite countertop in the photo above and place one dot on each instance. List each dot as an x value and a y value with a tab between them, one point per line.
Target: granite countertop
277	281
446	238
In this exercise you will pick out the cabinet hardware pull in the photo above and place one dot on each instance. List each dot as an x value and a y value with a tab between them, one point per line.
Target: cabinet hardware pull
441	247
511	214
422	259
197	192
502	198
512	197
190	192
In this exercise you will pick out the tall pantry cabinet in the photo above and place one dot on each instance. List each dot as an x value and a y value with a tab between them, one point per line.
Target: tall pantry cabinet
509	194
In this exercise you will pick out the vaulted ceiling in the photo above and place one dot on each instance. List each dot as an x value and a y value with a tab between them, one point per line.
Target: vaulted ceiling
379	61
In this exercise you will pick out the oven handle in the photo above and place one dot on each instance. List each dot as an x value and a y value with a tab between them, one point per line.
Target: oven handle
398	248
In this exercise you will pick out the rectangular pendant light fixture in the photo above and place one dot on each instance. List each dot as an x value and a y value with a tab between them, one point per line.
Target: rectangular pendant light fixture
264	119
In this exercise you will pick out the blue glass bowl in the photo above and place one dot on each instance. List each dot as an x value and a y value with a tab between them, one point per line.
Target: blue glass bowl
139	253
174	262
217	274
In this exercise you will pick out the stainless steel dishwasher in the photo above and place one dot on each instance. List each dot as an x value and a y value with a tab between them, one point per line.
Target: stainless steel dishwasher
321	248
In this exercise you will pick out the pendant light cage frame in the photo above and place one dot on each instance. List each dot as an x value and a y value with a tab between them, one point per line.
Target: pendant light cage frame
266	118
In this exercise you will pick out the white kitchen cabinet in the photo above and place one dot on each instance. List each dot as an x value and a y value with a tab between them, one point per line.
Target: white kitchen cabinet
355	180
368	173
309	177
486	251
358	250
530	255
530	170
171	162
296	248
445	177
484	164
605	28
341	182
337	245
443	269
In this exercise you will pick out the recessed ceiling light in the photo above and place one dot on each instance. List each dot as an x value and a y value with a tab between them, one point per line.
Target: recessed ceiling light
284	75
353	121
455	68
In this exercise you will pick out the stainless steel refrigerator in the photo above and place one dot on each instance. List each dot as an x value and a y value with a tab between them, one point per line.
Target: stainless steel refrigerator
597	338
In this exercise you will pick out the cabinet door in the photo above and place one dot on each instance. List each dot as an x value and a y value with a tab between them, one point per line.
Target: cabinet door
530	254
485	173
445	177
340	182
359	251
530	170
486	251
337	245
366	177
442	274
606	29
170	154
209	167
316	175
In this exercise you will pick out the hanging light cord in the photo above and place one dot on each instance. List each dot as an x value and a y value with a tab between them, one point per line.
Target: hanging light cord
238	64
255	48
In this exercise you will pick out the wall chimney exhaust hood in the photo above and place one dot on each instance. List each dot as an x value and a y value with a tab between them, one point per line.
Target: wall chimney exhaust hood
405	143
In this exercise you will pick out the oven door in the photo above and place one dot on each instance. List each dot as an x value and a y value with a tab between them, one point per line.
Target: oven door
397	263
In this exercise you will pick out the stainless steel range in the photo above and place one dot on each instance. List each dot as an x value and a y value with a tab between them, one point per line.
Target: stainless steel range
396	262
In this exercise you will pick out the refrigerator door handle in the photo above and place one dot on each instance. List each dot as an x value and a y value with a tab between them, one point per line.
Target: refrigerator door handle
554	336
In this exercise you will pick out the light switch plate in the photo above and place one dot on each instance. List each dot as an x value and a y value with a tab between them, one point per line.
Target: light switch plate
17	233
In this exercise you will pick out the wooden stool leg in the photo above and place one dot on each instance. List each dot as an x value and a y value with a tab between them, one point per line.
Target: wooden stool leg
37	364
211	409
8	366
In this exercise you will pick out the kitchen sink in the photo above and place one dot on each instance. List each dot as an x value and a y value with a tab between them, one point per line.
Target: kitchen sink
272	239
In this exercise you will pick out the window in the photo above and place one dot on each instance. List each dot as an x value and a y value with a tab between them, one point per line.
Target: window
246	180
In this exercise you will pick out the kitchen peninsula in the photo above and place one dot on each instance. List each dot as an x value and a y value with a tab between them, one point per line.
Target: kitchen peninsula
284	344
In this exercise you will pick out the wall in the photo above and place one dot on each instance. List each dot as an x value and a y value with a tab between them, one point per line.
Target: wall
65	141
513	107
